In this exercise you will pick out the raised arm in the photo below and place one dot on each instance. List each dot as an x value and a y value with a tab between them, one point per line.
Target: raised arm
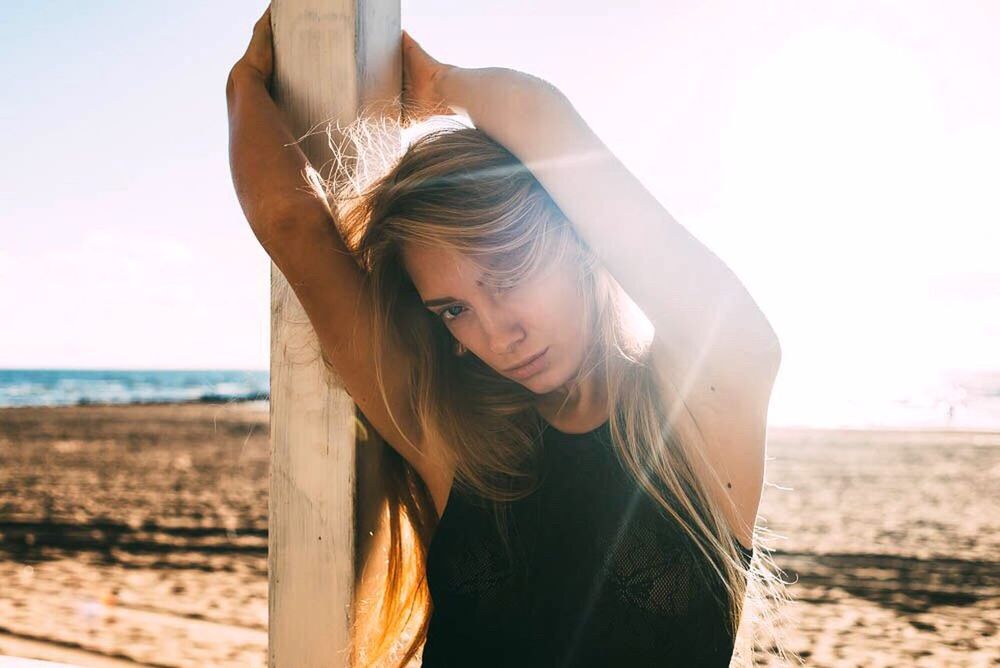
299	233
693	299
713	348
267	167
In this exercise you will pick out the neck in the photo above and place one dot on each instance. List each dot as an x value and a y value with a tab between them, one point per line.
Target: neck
580	403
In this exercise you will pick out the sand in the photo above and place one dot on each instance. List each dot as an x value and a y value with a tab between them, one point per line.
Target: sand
138	535
892	539
136	532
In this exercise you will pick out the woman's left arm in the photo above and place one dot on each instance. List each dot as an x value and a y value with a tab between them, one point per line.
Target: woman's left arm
702	313
714	352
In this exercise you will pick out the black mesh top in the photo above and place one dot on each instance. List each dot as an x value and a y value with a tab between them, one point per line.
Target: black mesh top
600	575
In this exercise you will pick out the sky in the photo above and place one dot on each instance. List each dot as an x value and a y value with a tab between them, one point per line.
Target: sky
842	158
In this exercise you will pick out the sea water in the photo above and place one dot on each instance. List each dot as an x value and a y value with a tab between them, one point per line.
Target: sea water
60	387
966	400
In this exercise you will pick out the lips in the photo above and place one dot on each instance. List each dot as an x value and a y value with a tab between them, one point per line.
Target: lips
526	362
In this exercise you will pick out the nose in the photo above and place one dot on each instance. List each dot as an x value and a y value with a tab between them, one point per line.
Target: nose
503	330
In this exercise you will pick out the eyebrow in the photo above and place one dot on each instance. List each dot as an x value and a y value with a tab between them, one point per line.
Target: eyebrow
439	302
444	300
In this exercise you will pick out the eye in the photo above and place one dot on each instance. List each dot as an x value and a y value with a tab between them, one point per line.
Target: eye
447	315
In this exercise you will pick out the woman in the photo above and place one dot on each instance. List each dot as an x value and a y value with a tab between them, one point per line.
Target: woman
582	492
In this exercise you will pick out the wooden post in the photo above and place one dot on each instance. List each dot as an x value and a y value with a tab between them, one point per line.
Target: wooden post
332	58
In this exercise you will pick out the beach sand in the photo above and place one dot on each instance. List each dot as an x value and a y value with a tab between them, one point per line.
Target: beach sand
138	534
892	540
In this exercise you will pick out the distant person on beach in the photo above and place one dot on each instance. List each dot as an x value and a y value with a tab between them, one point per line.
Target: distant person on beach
583	476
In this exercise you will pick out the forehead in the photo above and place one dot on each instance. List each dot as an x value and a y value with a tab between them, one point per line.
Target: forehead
434	269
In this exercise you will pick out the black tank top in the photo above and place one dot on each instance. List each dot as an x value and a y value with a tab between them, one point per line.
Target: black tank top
599	575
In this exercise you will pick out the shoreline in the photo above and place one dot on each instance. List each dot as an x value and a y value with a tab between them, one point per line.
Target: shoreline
256	397
262	401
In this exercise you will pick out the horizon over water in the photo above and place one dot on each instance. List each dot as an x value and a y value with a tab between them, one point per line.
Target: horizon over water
958	400
68	387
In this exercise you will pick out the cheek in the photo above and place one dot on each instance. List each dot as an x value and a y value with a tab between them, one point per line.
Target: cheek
567	298
459	330
560	313
468	332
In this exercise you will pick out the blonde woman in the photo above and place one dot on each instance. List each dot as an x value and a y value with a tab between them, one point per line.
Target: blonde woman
583	489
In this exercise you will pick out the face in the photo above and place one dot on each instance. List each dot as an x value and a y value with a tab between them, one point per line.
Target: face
505	328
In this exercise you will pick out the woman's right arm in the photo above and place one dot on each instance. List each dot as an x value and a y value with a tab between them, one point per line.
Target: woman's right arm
300	235
267	166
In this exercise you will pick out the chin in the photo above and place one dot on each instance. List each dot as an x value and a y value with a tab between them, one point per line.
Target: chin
536	386
543	383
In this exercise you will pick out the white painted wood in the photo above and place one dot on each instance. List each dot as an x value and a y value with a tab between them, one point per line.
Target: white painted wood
332	57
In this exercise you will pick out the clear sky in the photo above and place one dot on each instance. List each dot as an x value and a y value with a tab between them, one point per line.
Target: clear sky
843	158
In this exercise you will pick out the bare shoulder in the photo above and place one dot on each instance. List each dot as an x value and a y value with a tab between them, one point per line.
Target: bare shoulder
721	403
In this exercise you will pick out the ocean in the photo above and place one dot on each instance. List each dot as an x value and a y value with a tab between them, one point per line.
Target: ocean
62	387
958	400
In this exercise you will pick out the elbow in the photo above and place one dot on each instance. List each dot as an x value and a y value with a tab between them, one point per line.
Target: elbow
770	356
775	359
762	366
774	349
762	351
279	231
293	213
756	337
269	230
274	220
765	343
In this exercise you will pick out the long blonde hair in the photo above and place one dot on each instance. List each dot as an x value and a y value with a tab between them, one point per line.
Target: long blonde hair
455	187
